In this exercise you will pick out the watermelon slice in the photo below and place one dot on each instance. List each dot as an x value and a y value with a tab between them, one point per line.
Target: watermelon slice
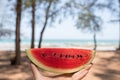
60	60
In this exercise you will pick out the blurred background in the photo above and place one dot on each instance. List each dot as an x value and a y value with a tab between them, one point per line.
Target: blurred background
89	24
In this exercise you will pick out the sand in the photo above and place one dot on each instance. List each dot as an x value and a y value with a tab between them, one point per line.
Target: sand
106	67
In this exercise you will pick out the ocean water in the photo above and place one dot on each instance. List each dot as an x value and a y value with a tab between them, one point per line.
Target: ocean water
8	44
61	41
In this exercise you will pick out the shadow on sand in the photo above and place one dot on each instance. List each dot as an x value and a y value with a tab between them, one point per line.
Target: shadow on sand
107	72
8	71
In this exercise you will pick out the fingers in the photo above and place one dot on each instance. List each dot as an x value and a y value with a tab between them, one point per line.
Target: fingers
81	74
33	67
50	74
35	71
89	67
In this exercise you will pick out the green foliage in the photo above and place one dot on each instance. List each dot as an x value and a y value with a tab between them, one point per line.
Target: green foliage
5	32
55	11
106	4
5	20
89	22
28	3
84	14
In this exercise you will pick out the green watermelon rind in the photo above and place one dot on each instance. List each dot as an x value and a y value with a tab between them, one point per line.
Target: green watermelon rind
55	70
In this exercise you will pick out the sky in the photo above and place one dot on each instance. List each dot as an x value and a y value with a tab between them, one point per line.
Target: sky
67	30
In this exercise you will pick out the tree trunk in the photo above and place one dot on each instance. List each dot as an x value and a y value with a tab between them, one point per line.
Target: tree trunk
95	41
45	24
16	60
41	34
33	24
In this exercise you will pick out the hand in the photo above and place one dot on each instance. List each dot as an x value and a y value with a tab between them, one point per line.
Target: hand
40	74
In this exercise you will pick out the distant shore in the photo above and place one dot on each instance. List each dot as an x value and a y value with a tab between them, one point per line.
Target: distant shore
88	44
9	46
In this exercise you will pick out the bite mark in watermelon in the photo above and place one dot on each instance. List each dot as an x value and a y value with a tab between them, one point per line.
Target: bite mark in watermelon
60	60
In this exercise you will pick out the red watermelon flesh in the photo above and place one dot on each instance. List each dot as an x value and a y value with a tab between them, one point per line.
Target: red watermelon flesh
60	60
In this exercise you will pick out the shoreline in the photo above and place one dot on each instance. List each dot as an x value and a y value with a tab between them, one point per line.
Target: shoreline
24	46
9	44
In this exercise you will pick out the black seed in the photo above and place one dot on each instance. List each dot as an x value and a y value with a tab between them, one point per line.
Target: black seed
79	56
72	56
69	56
61	55
54	54
44	55
66	56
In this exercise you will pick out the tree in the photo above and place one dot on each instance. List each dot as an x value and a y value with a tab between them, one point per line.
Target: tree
85	17
46	14
88	21
45	24
90	6
51	11
16	60
31	4
33	23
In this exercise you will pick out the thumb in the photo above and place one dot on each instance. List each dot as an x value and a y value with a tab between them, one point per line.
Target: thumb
36	72
81	74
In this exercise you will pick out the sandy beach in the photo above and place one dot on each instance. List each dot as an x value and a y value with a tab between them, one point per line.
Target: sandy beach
106	67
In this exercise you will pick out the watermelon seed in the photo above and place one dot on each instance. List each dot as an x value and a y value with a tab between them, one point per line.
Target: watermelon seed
43	55
61	55
66	56
79	56
54	54
72	56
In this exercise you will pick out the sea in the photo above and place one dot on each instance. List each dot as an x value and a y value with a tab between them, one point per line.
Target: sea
9	44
